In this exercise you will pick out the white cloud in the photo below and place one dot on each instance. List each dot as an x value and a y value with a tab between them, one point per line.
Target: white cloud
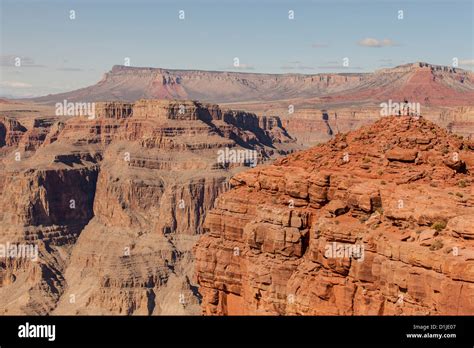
15	84
371	42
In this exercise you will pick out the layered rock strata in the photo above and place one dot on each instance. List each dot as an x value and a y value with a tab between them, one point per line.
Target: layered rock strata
114	202
378	221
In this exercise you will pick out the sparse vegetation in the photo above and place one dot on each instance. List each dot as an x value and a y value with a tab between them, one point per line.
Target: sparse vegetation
366	160
439	226
436	245
462	183
383	182
380	172
459	194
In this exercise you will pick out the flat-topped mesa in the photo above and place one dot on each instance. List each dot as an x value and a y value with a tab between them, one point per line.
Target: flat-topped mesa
423	66
115	110
184	110
412	81
176	110
159	109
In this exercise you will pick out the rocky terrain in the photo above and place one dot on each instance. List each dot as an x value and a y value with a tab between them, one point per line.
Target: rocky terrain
313	107
115	202
378	221
418	82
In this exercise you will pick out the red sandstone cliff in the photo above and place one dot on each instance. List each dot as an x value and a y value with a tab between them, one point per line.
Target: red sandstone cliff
115	203
400	189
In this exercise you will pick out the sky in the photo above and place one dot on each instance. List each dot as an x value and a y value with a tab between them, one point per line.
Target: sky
58	53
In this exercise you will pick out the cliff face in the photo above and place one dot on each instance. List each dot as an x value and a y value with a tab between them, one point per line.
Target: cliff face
10	131
115	203
375	222
419	82
313	108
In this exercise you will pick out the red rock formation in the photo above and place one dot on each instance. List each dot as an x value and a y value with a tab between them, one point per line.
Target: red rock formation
10	131
417	82
115	203
378	221
322	104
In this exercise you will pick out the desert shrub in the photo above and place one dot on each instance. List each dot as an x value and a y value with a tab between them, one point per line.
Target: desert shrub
439	225
436	245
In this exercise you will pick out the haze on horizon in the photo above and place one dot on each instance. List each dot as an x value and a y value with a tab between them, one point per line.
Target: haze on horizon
59	53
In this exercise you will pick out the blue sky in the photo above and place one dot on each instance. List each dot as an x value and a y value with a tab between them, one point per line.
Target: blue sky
59	54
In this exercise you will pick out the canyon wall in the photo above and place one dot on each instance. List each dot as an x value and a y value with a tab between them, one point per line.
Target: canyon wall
115	201
378	221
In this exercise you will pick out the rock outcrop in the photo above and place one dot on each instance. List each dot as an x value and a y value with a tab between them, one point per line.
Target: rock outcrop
377	221
115	201
417	82
313	108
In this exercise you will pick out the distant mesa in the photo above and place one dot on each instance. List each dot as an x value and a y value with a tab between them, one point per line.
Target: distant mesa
416	82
